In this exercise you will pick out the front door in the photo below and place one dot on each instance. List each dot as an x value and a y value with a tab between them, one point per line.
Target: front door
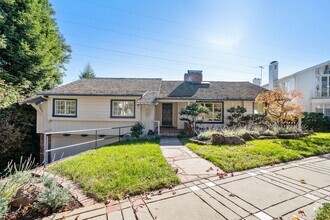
167	114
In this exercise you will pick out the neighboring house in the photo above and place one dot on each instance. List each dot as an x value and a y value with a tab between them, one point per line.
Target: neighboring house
313	82
111	102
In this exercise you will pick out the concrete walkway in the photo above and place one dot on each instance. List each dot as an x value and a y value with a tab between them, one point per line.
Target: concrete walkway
282	191
189	166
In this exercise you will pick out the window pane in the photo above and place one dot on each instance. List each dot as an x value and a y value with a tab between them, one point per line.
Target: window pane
209	115
71	107
123	108
218	112
59	107
324	86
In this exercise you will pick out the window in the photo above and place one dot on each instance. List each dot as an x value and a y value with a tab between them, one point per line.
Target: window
324	87
215	114
322	82
65	107
259	108
123	108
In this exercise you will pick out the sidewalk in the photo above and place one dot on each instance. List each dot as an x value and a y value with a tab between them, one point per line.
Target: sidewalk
189	166
282	191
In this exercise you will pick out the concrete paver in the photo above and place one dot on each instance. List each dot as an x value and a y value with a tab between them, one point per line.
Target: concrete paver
311	177
258	192
189	166
175	209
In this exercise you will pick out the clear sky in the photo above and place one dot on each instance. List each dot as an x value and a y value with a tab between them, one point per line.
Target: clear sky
227	39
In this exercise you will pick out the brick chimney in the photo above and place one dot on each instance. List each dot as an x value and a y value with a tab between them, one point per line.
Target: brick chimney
194	76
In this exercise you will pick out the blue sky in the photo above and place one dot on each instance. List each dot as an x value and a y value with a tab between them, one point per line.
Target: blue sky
228	40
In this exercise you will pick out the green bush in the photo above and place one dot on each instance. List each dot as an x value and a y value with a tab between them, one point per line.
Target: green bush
236	115
137	130
53	196
316	121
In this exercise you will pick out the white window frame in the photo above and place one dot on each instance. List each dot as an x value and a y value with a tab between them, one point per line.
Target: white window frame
66	112
124	102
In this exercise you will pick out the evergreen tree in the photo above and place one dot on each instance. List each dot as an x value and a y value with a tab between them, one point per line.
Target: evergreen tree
32	50
32	58
87	72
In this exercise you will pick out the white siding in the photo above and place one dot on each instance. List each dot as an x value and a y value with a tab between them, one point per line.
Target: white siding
92	112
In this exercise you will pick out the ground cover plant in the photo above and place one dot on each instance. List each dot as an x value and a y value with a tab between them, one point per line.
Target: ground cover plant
257	153
118	170
24	195
324	212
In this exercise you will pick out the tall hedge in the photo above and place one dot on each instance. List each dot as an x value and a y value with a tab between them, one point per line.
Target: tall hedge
316	121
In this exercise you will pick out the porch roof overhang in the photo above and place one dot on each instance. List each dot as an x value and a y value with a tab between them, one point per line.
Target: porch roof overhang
35	100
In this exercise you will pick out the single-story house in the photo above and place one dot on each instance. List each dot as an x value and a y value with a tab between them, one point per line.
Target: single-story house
111	102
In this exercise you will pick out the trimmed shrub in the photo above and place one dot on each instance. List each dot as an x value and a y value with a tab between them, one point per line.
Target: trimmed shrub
137	130
316	121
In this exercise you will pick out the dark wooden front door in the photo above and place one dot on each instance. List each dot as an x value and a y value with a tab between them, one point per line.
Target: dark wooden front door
167	114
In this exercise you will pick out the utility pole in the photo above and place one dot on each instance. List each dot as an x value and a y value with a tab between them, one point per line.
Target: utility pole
261	68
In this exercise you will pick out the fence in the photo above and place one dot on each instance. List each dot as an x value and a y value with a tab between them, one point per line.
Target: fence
97	136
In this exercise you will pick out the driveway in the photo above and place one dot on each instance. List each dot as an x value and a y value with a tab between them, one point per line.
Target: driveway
282	191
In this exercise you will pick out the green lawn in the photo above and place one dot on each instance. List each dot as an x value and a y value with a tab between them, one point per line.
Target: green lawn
257	153
324	212
118	170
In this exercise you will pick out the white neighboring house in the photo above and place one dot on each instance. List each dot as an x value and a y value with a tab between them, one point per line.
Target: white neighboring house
111	102
313	82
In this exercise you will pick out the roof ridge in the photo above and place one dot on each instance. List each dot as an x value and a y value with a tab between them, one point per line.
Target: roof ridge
124	78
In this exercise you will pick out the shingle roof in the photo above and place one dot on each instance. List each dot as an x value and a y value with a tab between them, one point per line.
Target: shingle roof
153	89
148	88
214	90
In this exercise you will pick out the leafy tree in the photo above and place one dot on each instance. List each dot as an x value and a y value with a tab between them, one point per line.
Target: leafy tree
32	50
236	114
191	113
32	58
87	72
8	95
281	105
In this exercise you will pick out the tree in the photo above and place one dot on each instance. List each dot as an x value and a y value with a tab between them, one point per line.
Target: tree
87	72
236	114
32	50
32	58
191	113
281	105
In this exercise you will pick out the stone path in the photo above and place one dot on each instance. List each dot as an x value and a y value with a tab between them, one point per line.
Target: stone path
188	164
282	191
